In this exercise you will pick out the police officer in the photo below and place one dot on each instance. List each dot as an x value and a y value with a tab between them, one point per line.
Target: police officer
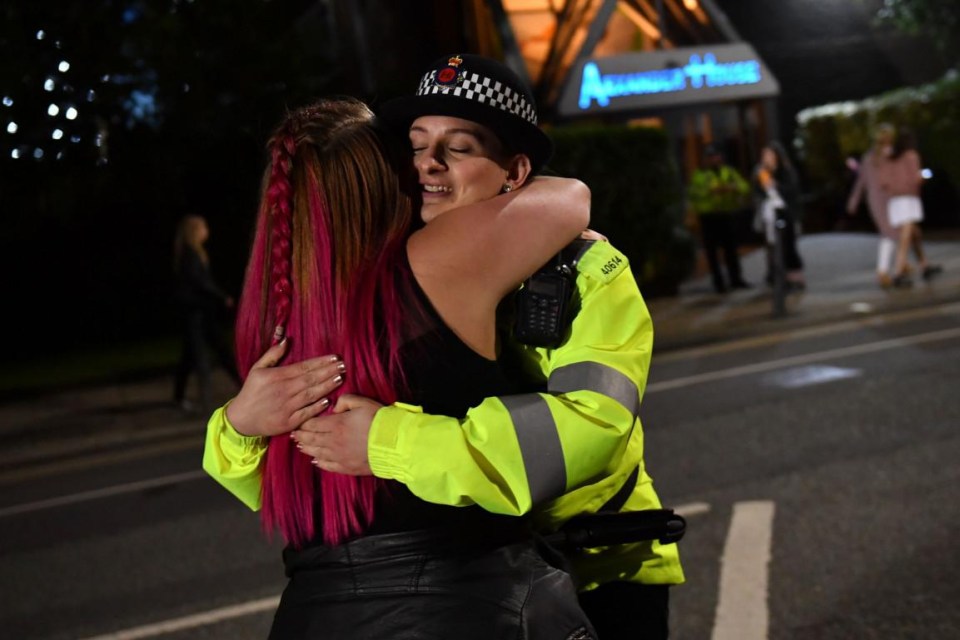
717	192
573	447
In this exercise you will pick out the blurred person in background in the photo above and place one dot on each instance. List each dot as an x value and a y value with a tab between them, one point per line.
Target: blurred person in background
717	193
776	189
901	179
868	182
199	302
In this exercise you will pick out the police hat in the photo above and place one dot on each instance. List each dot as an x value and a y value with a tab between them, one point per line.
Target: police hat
481	90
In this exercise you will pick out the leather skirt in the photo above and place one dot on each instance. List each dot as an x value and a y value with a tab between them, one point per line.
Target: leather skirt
426	584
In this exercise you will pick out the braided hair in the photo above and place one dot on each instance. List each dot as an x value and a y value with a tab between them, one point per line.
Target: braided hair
328	270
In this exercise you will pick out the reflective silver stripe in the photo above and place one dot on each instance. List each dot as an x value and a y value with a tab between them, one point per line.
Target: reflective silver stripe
539	445
593	376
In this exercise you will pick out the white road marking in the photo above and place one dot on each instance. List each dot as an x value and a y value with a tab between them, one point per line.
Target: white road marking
742	612
93	461
811	374
692	509
106	492
807	358
728	346
193	621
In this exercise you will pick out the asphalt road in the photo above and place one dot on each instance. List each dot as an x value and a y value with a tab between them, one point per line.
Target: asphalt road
817	469
848	433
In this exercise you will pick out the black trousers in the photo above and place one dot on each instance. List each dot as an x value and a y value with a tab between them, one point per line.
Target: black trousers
419	585
719	233
200	336
628	611
791	255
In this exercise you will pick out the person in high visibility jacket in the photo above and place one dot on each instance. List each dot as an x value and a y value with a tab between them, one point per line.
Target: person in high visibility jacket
717	192
555	454
574	447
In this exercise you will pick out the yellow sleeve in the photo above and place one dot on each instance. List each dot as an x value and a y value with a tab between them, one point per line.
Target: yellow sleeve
233	459
698	191
516	452
449	461
597	379
739	182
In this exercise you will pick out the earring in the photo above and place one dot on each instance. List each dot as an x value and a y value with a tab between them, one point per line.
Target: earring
507	188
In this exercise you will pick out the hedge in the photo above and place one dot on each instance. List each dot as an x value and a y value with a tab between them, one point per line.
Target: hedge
636	197
827	135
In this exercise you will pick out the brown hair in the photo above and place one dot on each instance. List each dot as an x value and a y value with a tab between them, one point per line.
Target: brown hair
328	268
186	236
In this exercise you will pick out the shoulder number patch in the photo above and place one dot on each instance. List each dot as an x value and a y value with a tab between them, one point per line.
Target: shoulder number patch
603	263
611	265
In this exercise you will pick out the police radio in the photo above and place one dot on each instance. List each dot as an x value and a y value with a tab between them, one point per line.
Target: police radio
542	305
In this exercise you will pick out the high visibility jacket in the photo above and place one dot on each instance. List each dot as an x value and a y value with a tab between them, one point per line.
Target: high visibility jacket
557	454
722	190
233	459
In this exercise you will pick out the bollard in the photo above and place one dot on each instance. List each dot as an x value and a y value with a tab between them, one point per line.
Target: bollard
779	272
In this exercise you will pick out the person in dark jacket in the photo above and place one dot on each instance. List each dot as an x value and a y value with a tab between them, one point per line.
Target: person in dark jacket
776	189
199	301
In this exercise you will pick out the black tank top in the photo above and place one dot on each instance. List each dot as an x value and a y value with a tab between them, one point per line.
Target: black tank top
446	377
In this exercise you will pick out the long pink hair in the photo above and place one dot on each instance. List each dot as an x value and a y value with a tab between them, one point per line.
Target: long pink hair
327	270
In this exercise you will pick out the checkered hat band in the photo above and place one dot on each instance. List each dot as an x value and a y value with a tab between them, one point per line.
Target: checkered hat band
482	90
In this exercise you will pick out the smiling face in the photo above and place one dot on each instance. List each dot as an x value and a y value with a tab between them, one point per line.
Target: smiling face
459	162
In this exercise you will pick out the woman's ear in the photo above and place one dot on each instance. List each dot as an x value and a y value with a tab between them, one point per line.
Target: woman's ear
519	170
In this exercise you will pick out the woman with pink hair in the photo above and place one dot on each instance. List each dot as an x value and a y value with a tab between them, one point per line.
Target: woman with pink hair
340	264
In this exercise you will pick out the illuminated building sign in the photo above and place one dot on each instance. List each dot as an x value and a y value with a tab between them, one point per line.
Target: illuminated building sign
697	73
667	78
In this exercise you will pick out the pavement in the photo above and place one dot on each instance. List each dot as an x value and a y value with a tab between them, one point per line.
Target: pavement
110	418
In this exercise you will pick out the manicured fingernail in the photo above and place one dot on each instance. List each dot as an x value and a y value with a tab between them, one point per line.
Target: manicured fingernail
341	367
315	462
337	379
324	402
334	358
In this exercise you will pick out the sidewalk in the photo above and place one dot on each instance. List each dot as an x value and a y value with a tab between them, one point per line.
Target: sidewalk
841	284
